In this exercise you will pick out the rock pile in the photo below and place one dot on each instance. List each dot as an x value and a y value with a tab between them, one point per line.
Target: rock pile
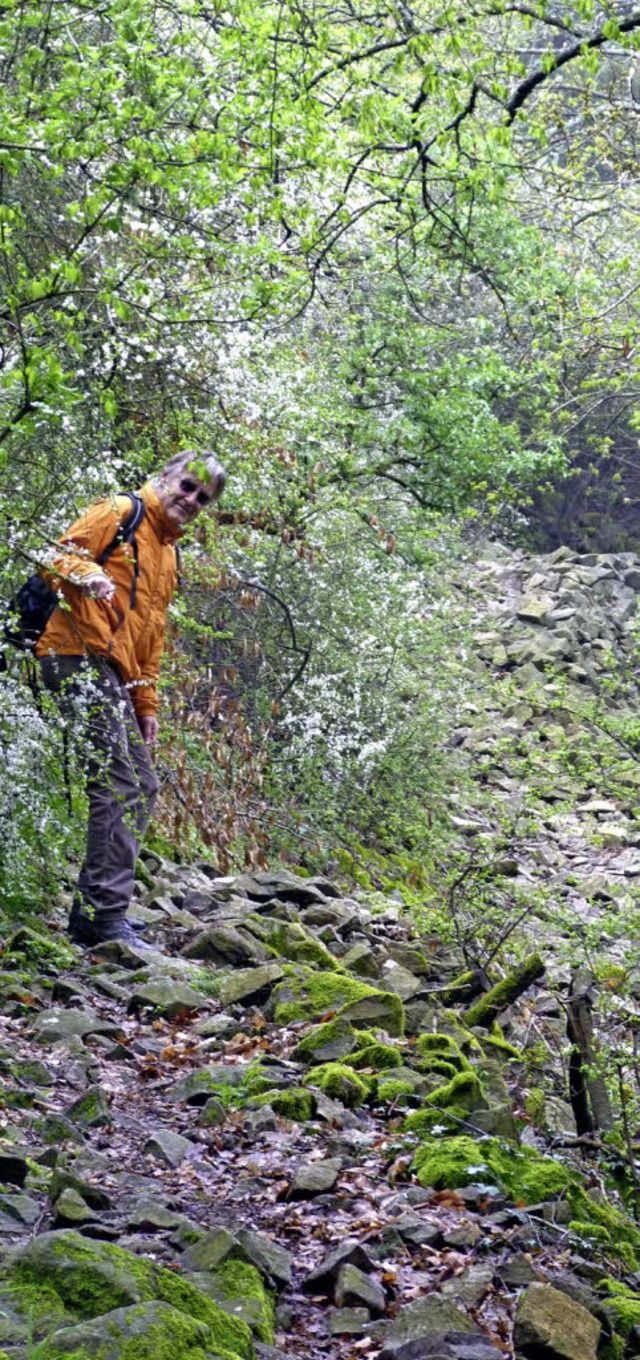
279	1134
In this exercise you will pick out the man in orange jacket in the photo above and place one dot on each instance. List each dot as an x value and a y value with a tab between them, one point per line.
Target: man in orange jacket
100	652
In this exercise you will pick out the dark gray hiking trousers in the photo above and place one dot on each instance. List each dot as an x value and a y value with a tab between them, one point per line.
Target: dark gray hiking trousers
122	785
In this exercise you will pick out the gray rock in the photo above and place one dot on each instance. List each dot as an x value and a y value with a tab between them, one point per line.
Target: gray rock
71	1210
210	1251
20	1208
470	1286
52	1025
360	959
549	1322
315	1178
451	1346
399	980
321	1279
418	1232
196	1087
167	997
354	1288
263	1120
92	1109
430	1317
225	945
271	1260
348	1321
169	1147
251	984
212	1114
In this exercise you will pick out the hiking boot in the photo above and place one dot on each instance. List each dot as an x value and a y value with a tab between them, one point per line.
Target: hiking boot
91	933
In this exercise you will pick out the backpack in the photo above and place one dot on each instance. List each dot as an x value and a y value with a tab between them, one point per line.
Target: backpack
34	603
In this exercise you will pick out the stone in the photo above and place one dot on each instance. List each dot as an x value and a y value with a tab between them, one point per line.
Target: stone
20	1208
321	1279
152	1328
399	980
465	1234
315	1178
535	608
99	1278
212	1114
93	1195
470	1286
360	959
429	1317
167	997
517	1272
354	1288
52	1025
270	1259
196	1087
261	1121
210	1251
418	1232
92	1109
169	1147
251	984
224	945
451	1346
70	1210
348	1321
548	1321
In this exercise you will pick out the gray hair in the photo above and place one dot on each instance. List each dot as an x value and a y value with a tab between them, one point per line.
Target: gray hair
193	459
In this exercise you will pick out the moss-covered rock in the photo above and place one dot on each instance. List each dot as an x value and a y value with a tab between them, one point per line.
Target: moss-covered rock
147	1331
294	1103
308	996
486	1011
460	1096
441	1046
330	1042
622	1306
340	1082
379	1057
240	1290
289	940
391	1090
84	1279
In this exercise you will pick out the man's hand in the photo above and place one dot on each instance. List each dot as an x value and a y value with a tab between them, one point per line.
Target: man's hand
98	586
149	727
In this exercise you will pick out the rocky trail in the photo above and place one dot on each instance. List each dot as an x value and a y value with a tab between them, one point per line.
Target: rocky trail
301	1125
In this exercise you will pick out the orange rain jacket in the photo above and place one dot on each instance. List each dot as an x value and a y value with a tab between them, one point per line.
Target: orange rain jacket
132	639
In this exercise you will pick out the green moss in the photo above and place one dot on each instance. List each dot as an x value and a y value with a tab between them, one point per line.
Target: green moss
440	1045
239	1280
461	1095
338	1034
340	1082
289	940
377	1056
624	1304
521	1172
308	996
294	1103
534	1106
496	1046
438	1068
488	1008
395	1090
589	1232
92	1278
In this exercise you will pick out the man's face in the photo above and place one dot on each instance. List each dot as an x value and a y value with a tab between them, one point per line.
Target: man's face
184	495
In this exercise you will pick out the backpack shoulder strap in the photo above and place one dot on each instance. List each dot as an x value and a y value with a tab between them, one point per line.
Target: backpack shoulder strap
126	533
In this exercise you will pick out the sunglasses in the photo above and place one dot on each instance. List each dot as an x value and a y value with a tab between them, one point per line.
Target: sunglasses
187	485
